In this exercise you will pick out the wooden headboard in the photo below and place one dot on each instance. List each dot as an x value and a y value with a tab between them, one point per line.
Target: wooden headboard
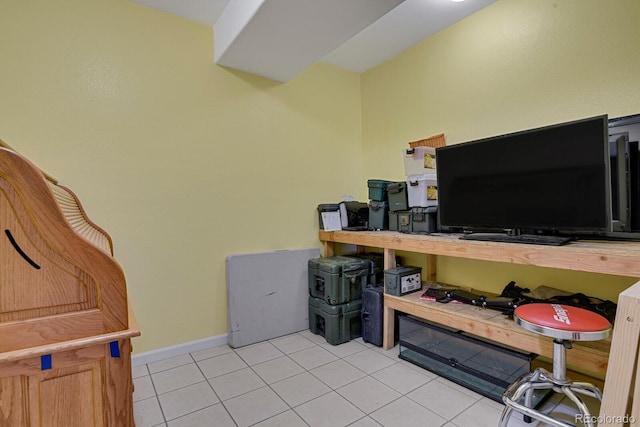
58	278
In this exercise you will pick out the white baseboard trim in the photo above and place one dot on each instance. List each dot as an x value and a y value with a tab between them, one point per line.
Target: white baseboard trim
177	350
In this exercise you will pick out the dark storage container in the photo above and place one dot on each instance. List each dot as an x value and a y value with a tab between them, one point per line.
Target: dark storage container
327	207
400	221
354	215
376	266
372	314
425	219
337	323
402	280
485	367
397	193
378	189
337	279
378	215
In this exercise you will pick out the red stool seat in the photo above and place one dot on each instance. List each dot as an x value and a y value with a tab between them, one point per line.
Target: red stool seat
563	322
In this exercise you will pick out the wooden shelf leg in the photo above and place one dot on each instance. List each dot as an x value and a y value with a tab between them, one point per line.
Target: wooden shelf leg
389	258
388	328
431	268
327	248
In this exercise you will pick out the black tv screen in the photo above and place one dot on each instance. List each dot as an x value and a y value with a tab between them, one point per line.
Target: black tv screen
549	179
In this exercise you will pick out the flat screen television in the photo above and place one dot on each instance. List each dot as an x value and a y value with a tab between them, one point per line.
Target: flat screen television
624	137
541	185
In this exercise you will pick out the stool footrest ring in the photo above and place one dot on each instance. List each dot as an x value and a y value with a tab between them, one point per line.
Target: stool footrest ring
540	379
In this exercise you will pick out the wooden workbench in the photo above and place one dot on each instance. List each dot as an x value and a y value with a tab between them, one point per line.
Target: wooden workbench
614	359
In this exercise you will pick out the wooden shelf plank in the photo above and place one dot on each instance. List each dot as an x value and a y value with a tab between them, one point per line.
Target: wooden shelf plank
621	258
494	326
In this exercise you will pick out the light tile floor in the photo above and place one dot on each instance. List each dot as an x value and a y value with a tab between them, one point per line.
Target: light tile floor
301	380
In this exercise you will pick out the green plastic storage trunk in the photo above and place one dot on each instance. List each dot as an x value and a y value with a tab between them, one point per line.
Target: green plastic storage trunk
337	323
376	267
425	219
378	215
400	221
397	194
378	189
337	279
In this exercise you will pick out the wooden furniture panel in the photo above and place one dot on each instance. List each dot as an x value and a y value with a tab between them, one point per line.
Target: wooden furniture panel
65	322
12	412
72	396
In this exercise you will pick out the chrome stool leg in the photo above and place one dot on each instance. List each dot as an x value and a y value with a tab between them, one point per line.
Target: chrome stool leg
533	413
525	386
587	420
540	379
505	416
587	389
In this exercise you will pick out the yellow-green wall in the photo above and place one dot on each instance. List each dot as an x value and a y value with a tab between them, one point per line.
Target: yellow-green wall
515	65
183	162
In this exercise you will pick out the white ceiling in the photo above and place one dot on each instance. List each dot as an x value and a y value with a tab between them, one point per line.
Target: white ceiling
278	39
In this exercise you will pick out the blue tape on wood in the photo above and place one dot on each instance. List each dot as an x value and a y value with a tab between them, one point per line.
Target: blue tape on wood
115	349
45	362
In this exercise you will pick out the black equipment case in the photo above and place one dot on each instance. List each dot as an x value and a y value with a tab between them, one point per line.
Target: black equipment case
372	314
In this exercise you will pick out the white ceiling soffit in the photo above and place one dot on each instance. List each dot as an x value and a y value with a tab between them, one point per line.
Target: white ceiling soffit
401	28
279	39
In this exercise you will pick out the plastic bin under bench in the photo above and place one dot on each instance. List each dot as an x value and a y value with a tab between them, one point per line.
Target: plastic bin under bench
477	364
338	279
336	323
